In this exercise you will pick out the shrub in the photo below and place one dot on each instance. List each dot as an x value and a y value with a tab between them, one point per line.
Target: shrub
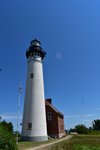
8	126
7	139
81	129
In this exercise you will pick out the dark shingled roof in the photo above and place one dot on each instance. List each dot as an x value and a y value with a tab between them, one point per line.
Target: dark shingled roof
55	109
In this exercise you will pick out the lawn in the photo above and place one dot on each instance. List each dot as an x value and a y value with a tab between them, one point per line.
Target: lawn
26	145
79	142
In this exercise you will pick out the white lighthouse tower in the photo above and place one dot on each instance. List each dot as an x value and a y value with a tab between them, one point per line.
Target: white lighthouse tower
34	116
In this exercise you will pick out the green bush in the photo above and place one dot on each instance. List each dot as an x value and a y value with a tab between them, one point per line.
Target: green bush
81	129
8	125
7	139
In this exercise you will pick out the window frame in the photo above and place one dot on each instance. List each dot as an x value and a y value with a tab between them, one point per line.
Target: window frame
31	75
49	116
29	126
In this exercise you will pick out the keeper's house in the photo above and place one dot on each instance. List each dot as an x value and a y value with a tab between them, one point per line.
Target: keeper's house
55	121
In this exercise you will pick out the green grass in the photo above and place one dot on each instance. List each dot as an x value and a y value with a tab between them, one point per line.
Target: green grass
94	132
79	147
79	142
25	145
89	142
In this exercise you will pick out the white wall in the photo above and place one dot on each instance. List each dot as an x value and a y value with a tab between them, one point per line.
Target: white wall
34	107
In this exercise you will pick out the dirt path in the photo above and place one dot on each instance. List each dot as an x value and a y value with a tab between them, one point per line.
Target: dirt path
49	144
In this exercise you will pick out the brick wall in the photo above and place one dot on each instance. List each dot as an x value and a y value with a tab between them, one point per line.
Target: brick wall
61	126
52	125
55	121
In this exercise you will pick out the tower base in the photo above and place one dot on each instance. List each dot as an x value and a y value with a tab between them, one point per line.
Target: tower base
34	138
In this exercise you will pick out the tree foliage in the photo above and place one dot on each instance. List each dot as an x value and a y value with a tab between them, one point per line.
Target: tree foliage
7	138
96	124
80	129
8	126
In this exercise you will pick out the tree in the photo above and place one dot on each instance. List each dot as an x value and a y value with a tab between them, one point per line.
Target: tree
7	139
81	129
96	124
8	126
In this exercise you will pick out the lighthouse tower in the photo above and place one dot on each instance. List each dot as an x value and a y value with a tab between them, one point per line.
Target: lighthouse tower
34	116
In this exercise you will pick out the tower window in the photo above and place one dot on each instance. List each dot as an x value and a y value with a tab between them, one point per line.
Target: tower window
29	126
49	116
31	75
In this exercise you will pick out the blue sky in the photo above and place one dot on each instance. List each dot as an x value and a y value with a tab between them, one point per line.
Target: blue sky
69	31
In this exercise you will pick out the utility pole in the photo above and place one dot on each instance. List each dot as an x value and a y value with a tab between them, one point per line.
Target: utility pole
18	113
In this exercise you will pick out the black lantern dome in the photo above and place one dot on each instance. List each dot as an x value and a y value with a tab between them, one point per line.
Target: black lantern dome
35	49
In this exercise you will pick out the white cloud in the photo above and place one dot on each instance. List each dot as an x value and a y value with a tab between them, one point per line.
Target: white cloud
97	108
71	116
87	121
89	115
79	116
10	116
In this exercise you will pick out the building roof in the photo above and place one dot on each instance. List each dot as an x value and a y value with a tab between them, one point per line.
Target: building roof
49	103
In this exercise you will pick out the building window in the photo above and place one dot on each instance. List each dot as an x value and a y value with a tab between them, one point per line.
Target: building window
31	75
29	126
49	116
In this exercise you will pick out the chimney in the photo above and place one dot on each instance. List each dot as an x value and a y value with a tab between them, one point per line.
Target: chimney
49	100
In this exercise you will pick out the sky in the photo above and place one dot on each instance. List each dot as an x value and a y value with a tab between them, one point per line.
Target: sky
69	31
